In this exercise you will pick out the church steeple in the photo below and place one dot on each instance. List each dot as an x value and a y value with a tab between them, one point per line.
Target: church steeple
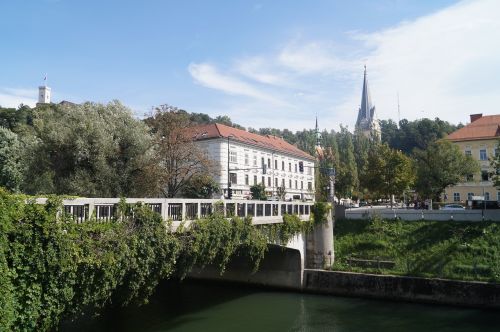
318	134
367	123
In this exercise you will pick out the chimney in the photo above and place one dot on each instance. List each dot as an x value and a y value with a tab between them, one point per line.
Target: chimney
474	117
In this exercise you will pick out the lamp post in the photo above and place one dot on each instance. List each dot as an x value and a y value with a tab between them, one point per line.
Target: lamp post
228	179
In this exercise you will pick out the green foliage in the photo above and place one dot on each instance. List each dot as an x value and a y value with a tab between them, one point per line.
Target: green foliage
53	268
347	173
200	186
454	250
417	134
441	165
388	172
320	212
11	168
89	150
258	191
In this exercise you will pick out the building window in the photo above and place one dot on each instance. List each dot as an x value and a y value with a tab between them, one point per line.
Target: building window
268	162
301	184
295	168
456	197
233	157
255	179
233	178
247	160
469	196
309	186
468	153
484	175
283	165
263	162
247	180
498	195
275	182
275	164
283	183
483	155
255	162
486	196
296	183
289	167
263	181
290	184
309	171
269	181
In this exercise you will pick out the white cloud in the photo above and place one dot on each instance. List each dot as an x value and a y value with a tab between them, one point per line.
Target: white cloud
208	76
446	65
313	58
13	97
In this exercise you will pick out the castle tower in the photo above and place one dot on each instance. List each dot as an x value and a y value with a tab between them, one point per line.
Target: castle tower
44	93
367	123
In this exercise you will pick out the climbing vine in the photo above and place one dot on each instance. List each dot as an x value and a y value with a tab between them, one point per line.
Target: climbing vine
52	268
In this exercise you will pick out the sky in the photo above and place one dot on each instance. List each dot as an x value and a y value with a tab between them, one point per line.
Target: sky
263	63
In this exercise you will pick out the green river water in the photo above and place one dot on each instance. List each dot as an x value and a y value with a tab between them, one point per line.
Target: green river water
203	306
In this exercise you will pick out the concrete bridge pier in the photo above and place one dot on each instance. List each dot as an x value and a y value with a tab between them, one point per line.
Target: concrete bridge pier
319	251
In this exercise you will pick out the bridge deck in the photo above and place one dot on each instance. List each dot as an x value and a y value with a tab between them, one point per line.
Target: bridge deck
178	210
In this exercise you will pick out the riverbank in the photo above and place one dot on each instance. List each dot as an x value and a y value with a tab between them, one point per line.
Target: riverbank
403	288
430	249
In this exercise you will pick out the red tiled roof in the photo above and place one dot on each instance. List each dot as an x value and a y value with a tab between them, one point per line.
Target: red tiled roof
485	127
270	142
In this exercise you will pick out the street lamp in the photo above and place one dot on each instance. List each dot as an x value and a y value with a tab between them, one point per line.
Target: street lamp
228	179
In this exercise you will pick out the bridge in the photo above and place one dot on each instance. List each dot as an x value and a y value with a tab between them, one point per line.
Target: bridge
283	265
179	209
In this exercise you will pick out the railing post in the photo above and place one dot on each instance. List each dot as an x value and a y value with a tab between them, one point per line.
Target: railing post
198	212
164	210
183	211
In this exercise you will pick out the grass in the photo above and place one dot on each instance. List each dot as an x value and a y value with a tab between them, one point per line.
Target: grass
438	249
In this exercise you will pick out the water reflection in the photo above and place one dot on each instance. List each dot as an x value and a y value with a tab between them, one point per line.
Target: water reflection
195	306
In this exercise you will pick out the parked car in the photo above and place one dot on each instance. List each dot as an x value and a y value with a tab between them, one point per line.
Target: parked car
453	207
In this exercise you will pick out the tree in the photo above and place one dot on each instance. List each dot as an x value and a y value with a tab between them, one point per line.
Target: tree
11	168
347	174
441	165
388	171
258	191
91	149
200	186
281	193
178	158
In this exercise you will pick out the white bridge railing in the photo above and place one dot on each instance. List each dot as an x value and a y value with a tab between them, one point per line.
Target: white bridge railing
178	210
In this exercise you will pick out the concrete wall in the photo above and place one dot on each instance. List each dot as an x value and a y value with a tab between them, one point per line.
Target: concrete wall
474	294
465	215
281	267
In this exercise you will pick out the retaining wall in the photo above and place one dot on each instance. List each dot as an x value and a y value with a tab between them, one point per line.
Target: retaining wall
437	215
412	289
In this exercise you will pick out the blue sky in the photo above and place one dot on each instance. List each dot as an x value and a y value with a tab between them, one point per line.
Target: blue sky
263	63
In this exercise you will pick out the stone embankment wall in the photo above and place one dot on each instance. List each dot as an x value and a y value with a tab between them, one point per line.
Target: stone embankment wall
412	289
436	215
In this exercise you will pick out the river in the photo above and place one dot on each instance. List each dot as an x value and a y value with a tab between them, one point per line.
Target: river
203	306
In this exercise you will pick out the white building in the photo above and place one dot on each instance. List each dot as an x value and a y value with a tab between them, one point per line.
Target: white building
285	164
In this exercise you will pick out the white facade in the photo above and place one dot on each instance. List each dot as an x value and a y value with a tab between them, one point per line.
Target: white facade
245	169
44	94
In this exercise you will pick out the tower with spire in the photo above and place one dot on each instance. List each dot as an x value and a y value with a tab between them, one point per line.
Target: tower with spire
317	134
367	123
